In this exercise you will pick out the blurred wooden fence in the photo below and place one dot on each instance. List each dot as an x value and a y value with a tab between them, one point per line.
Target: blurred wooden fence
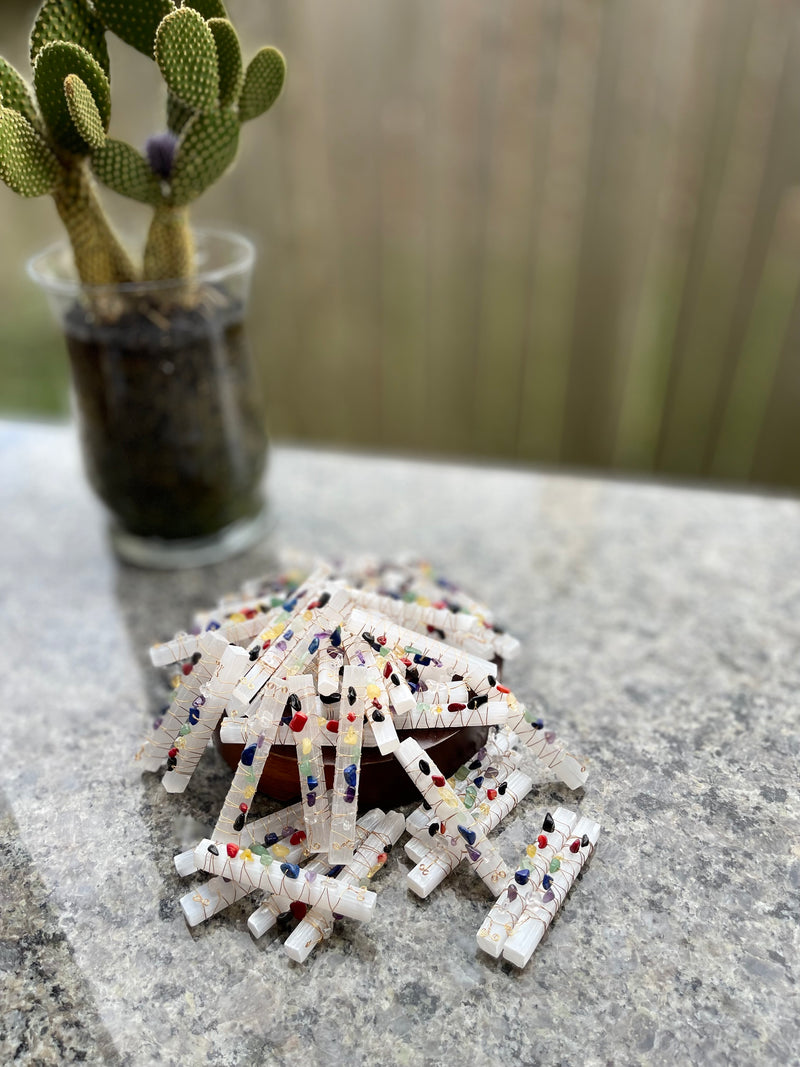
556	230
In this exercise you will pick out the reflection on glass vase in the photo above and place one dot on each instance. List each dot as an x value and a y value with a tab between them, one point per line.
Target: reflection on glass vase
168	403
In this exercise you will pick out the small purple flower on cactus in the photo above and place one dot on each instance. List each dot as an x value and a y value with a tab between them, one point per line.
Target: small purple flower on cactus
160	150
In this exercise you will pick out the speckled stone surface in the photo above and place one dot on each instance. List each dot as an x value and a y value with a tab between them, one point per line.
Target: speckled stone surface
661	627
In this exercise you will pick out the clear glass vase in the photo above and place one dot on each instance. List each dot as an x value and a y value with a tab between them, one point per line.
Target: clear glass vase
168	402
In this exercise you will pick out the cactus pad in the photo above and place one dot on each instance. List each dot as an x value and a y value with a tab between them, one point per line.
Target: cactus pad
55	62
229	60
26	163
134	21
121	168
206	151
70	20
14	92
178	114
187	56
83	111
262	83
209	9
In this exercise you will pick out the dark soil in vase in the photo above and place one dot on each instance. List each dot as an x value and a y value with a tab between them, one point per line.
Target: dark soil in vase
171	413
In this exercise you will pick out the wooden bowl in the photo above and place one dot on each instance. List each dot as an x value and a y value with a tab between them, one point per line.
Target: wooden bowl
382	783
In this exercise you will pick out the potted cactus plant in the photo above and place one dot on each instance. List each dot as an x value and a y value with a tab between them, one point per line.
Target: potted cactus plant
168	401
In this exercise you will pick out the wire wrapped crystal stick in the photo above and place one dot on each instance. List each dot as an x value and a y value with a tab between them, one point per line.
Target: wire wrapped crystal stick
272	907
477	782
305	729
178	718
235	630
453	716
451	816
422	653
411	596
371	855
209	707
442	694
281	595
544	744
356	692
548	896
508	907
269	830
291	644
287	879
261	732
377	710
438	861
219	893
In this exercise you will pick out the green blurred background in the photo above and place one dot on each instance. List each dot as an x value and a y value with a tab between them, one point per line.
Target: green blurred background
564	231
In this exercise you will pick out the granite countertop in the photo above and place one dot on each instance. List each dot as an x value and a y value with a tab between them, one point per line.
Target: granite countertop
661	628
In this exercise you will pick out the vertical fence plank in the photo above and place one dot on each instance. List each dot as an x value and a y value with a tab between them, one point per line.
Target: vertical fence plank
552	305
467	68
764	340
730	185
610	232
653	80
775	457
409	72
348	389
780	172
687	116
258	198
517	150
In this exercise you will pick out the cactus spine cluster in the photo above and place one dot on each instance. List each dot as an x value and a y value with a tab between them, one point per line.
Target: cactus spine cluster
54	137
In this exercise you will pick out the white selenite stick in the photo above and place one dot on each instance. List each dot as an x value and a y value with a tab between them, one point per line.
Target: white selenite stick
488	778
506	910
177	718
380	718
418	823
327	678
313	890
462	629
234	731
268	912
272	907
347	772
437	862
416	616
368	860
544	903
261	730
294	652
318	571
254	595
219	893
305	731
444	693
545	746
280	824
235	631
405	642
449	811
493	713
497	756
215	695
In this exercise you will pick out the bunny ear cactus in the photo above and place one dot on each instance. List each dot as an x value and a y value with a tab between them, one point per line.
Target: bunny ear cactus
46	136
210	95
47	140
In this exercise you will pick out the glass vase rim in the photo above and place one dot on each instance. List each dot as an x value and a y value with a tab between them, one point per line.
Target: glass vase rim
243	254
